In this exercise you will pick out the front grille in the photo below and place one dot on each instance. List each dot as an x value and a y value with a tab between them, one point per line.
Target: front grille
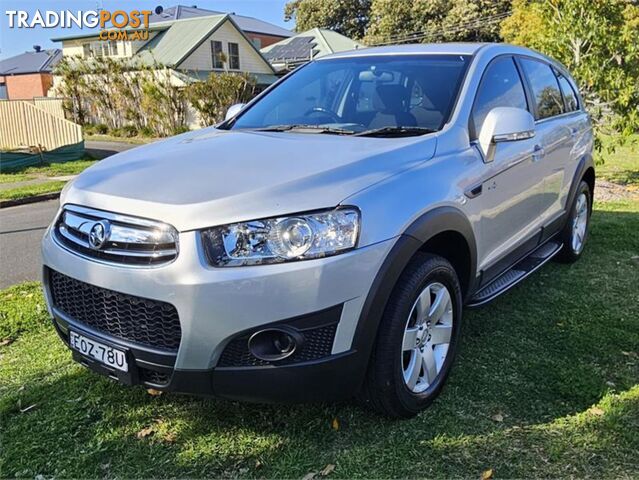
318	343
139	320
114	238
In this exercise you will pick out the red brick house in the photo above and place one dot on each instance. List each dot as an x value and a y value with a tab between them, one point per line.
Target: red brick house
28	75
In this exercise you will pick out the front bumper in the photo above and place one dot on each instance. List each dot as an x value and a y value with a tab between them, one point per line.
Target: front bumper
218	306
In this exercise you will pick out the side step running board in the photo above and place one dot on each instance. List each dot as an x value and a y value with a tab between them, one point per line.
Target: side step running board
516	274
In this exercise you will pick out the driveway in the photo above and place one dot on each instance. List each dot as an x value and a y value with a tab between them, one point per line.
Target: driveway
21	230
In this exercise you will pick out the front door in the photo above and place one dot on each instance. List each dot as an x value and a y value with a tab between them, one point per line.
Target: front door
513	183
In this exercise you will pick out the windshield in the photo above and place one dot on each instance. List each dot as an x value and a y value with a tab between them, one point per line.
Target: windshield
413	94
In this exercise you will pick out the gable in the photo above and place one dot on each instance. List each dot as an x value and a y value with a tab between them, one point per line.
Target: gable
201	59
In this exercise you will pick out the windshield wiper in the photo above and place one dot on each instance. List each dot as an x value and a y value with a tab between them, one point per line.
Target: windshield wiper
306	128
395	132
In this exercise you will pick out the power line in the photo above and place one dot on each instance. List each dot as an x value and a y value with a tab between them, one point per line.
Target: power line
456	28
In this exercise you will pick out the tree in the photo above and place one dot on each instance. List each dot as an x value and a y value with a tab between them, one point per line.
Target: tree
597	41
435	20
348	17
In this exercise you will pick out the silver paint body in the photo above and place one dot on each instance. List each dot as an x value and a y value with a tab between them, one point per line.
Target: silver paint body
213	177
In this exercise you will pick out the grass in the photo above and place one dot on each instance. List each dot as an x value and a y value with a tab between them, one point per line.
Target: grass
112	138
37	179
546	385
32	190
622	166
47	170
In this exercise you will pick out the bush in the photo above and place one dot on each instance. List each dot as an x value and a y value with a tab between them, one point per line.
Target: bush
101	129
127	131
146	132
212	97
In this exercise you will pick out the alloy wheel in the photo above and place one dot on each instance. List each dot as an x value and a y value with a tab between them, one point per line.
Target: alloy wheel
427	337
580	223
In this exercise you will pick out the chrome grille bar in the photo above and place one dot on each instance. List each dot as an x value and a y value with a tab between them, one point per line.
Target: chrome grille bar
129	241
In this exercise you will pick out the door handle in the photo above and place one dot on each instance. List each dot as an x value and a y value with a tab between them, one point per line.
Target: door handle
474	191
574	132
538	153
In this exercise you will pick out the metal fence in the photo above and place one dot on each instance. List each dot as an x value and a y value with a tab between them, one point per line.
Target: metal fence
51	105
39	124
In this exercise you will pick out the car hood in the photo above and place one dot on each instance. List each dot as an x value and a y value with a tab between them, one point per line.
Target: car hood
212	177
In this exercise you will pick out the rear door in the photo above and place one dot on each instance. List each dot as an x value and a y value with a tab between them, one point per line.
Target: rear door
553	131
512	183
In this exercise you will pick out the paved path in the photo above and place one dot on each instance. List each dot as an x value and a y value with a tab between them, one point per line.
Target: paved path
21	230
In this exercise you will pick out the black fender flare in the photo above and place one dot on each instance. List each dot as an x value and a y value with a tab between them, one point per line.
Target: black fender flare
431	223
585	162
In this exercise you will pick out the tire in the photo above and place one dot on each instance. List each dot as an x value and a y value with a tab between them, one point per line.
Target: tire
390	387
572	238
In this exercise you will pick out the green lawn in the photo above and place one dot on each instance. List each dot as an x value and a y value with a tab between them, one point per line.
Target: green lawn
622	166
47	170
546	385
38	179
32	190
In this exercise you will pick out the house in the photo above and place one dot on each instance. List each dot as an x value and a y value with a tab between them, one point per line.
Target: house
191	45
260	32
291	52
28	75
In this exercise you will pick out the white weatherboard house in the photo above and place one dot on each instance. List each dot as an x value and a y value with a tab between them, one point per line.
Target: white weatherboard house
194	46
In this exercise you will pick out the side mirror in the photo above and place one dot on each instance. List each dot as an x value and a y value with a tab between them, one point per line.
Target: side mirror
234	110
504	124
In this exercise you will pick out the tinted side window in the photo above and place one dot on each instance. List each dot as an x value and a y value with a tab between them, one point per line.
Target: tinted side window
569	93
545	88
500	87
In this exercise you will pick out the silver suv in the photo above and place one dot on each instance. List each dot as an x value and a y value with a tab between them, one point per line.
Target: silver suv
322	241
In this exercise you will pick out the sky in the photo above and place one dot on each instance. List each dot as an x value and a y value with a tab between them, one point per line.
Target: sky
14	40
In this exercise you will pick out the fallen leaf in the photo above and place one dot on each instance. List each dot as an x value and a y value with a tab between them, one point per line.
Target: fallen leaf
327	470
153	392
487	474
596	411
309	476
5	342
498	417
335	424
258	464
611	384
169	437
145	432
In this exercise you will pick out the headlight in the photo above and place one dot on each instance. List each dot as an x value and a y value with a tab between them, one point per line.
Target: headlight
282	239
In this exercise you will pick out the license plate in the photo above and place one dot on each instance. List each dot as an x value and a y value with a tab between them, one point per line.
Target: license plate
98	351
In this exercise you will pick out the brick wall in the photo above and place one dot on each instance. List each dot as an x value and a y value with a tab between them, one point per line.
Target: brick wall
27	86
265	39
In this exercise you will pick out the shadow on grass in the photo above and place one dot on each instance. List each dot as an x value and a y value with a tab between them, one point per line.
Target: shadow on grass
530	365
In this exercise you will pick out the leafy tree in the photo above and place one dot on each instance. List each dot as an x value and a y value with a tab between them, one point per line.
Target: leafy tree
597	41
435	20
348	17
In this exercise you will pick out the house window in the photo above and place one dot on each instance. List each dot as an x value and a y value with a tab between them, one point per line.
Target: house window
234	56
100	49
217	55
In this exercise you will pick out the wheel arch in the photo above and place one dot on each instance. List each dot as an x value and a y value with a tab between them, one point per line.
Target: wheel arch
442	231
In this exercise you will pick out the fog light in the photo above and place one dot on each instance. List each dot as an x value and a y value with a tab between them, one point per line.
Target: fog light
274	344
